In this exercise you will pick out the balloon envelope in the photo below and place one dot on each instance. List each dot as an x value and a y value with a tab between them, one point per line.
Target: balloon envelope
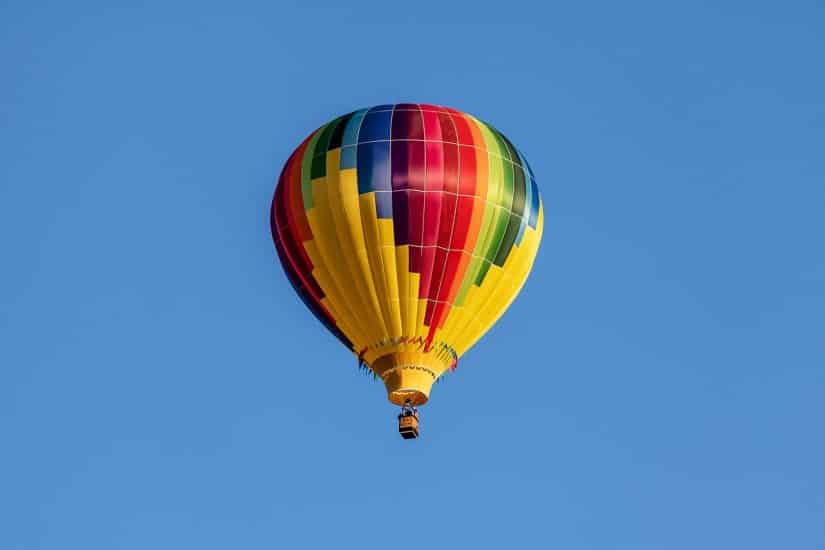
407	230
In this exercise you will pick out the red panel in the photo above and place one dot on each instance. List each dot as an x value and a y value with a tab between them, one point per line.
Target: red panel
465	236
415	259
451	276
415	200
463	217
284	224
408	167
467	179
445	227
435	166
298	229
432	220
406	124
432	126
277	212
427	260
312	292
449	203
438	263
432	217
447	128
293	195
429	313
288	250
461	271
451	160
462	127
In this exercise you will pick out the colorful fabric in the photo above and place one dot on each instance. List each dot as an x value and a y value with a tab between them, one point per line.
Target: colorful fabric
407	228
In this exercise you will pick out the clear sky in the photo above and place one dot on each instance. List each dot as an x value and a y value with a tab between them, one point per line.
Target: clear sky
659	384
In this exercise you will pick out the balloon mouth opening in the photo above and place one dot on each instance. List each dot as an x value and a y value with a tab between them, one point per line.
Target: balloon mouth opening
409	376
401	396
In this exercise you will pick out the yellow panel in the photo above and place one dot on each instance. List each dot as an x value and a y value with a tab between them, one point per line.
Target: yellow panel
344	324
386	233
402	269
323	228
369	223
421	329
342	194
330	288
359	263
412	301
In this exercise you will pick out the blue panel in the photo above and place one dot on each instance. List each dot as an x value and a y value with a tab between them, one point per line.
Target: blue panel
376	126
383	204
528	195
349	156
534	204
528	203
527	164
351	131
521	228
374	167
531	201
381	108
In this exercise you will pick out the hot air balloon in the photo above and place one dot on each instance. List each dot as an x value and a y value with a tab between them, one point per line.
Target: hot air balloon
407	230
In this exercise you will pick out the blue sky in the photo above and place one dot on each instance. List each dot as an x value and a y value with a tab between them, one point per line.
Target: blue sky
658	384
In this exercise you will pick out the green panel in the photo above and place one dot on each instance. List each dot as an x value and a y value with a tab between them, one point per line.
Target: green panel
477	261
306	166
507	197
516	211
319	155
501	219
506	146
495	188
513	225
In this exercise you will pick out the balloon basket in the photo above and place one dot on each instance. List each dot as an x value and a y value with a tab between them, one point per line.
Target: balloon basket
408	426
